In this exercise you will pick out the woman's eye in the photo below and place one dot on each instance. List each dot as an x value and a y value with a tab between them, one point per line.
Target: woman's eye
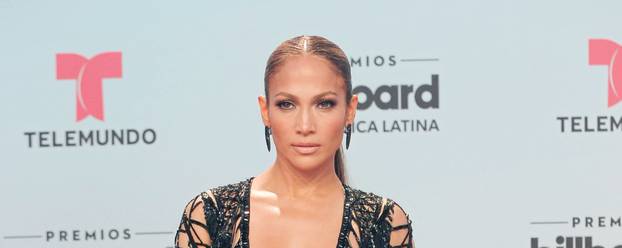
285	105
327	104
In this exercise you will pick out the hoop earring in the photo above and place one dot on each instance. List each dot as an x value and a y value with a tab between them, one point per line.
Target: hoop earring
348	132
268	132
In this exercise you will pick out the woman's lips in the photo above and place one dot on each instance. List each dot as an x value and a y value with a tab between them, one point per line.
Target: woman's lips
306	148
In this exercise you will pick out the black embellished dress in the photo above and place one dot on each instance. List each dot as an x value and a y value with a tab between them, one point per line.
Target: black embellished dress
219	218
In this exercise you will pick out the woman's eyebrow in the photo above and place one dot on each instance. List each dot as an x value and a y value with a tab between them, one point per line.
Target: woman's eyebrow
288	95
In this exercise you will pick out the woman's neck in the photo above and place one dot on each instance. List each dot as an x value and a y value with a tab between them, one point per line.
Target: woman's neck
286	180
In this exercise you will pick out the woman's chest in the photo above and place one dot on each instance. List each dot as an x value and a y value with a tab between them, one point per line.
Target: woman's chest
292	223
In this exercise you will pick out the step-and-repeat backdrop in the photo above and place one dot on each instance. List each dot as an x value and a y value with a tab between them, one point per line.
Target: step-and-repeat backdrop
493	123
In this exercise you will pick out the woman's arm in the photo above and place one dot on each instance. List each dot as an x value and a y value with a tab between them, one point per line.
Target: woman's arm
193	229
401	228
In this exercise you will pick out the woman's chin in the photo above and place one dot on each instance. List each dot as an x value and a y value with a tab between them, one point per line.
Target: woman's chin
307	163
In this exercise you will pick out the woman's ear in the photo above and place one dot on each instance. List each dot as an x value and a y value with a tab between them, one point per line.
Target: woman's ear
263	109
351	111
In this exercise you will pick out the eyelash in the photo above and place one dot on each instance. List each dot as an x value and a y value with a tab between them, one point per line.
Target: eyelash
331	102
280	104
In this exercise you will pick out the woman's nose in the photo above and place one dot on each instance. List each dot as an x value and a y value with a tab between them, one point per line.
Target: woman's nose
305	122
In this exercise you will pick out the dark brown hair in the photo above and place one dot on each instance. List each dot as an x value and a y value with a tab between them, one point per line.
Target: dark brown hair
324	48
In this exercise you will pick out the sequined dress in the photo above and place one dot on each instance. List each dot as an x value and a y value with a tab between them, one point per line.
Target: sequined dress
219	218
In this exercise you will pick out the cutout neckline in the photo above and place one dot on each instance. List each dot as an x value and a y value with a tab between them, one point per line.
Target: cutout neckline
345	217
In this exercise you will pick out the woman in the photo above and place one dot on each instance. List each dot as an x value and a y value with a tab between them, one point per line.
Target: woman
302	199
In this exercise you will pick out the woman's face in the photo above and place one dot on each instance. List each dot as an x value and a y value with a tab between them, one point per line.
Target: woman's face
307	111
